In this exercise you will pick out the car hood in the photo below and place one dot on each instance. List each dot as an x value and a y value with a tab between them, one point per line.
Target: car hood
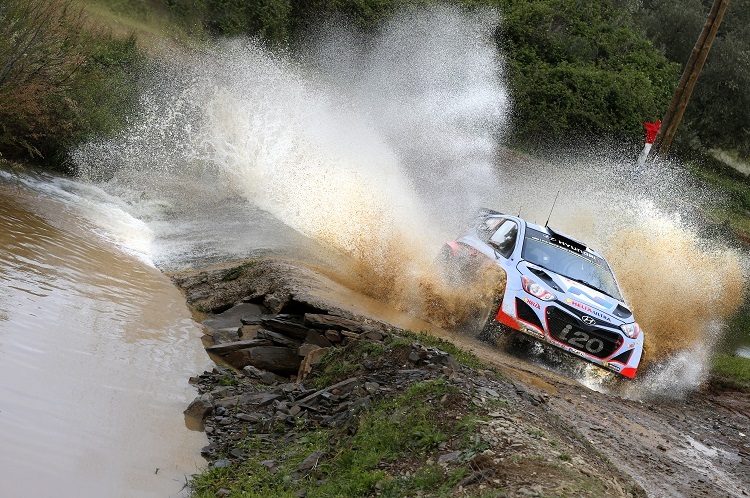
581	297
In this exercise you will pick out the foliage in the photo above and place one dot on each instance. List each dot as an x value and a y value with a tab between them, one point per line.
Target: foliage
581	70
59	83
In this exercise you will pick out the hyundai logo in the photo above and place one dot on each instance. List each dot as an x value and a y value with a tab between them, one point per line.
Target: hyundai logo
588	320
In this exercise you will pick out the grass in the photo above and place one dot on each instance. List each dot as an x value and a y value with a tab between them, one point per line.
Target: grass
237	271
736	368
465	357
393	436
123	18
736	187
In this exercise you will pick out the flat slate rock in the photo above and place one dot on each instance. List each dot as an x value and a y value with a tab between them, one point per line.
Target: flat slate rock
233	316
331	322
277	338
230	347
288	325
275	359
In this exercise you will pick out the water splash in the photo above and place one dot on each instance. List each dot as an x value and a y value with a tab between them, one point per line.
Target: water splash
375	156
378	150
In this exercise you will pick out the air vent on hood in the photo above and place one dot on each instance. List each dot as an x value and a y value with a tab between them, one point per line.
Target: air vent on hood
622	312
544	276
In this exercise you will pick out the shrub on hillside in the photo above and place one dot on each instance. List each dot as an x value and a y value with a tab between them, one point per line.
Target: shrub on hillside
59	83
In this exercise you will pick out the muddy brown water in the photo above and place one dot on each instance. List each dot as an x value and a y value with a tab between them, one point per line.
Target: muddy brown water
96	348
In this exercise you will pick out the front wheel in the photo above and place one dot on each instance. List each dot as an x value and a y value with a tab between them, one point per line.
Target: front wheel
492	331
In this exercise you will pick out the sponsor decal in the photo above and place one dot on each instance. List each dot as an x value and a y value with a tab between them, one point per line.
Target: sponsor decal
586	308
631	345
532	303
616	368
575	351
533	332
580	306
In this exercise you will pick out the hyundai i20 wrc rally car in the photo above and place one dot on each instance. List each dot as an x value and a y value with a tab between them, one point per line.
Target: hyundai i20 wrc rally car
558	290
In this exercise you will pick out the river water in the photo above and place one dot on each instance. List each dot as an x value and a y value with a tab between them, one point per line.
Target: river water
96	348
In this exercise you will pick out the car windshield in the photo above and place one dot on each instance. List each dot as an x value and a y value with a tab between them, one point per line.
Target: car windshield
581	266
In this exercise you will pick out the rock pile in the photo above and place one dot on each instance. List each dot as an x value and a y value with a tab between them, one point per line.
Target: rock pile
270	354
282	344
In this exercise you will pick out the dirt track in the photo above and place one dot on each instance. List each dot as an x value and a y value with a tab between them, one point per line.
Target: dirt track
696	445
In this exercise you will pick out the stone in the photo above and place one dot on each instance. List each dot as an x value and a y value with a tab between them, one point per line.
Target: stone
310	462
259	399
275	359
248	332
275	303
451	362
233	316
220	464
371	387
200	407
374	335
315	337
222	336
306	349
330	322
343	386
230	347
449	457
333	335
278	339
489	392
289	325
264	376
312	358
228	402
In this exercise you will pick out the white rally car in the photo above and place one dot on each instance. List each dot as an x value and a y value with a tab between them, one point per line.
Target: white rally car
558	290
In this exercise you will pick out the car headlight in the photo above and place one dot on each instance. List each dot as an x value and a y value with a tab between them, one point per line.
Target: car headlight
536	290
631	329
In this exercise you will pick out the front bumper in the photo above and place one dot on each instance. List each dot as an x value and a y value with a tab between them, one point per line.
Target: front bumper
601	342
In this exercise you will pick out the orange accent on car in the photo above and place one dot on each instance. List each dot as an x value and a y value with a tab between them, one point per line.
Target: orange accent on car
506	319
628	372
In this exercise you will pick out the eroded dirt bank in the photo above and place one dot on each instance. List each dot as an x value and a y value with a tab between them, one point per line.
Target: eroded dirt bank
542	434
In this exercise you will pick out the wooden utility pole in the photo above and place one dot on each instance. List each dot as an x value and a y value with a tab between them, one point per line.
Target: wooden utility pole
689	77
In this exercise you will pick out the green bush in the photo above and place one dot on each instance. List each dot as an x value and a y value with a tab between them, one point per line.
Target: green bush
581	70
59	82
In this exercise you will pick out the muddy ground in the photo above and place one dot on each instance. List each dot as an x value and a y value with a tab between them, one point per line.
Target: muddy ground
697	444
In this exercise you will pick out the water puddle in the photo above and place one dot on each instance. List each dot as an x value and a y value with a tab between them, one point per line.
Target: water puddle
95	351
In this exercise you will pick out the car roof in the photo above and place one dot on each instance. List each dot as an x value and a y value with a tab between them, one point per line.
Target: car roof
544	229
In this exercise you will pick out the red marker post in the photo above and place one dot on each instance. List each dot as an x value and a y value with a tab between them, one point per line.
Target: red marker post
651	130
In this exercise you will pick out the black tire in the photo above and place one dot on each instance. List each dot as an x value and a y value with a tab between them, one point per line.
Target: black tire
492	331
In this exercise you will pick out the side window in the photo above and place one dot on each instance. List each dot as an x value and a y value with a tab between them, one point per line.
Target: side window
488	227
504	239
